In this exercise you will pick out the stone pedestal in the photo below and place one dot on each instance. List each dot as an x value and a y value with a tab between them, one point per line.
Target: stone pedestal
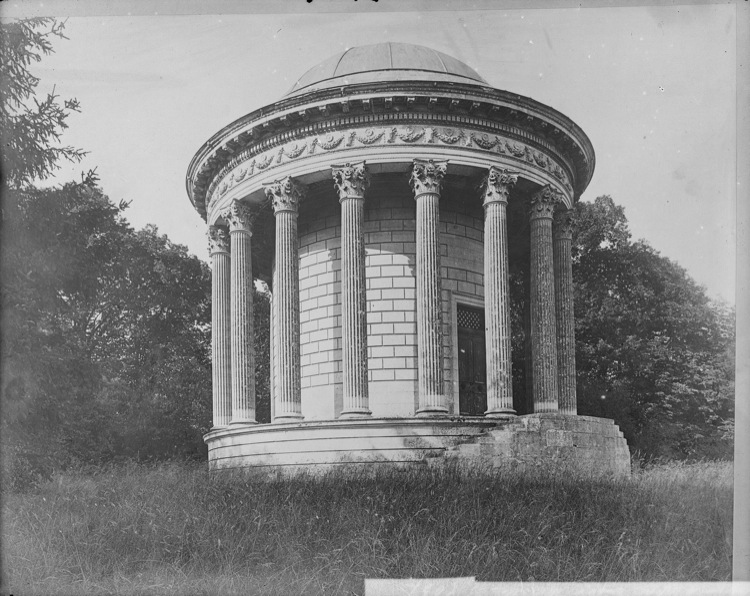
240	220
495	191
543	324
566	341
220	325
426	181
351	181
285	196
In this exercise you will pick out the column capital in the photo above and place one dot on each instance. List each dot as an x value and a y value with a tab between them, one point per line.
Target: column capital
351	180
285	194
495	187
427	176
240	217
563	224
543	203
218	240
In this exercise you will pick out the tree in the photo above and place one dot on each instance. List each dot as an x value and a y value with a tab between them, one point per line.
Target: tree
652	351
31	129
105	348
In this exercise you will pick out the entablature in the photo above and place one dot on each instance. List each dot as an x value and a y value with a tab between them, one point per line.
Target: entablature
484	109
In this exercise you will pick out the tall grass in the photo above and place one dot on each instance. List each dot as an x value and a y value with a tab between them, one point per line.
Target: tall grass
170	529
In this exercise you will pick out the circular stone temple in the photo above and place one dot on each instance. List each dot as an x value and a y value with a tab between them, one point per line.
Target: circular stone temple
413	226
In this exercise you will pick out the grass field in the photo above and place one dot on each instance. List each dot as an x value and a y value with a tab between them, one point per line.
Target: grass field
169	529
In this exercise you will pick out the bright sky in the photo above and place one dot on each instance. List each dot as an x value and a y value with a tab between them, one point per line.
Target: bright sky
652	87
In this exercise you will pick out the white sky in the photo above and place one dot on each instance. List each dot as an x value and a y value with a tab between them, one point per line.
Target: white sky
653	87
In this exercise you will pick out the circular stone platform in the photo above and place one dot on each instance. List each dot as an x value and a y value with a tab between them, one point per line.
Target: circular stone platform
580	445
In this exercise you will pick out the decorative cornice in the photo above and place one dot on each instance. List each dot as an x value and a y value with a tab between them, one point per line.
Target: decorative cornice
351	180
543	203
247	164
240	217
498	105
563	224
495	187
495	109
284	194
427	176
218	240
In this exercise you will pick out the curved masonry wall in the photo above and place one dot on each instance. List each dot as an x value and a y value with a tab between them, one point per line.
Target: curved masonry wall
390	246
548	443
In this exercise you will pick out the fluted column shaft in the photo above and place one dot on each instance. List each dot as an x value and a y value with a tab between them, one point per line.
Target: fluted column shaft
543	325
285	196
351	181
426	182
241	314
496	189
220	326
566	342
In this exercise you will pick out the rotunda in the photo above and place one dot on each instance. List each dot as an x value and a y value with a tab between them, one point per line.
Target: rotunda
413	225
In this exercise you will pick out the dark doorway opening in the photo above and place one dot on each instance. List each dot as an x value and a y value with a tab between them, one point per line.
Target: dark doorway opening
472	363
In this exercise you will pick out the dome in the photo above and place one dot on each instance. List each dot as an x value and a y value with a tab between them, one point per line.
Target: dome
385	62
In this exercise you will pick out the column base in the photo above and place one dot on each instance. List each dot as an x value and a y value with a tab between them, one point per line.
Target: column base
288	418
218	427
432	412
242	421
500	413
356	413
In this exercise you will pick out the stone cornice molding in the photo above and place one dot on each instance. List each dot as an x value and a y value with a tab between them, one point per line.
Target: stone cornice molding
240	217
376	130
274	124
495	187
544	202
351	180
427	176
563	223
218	240
284	194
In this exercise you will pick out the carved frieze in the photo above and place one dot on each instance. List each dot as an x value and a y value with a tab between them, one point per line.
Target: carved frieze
409	134
497	184
246	165
284	194
351	180
427	176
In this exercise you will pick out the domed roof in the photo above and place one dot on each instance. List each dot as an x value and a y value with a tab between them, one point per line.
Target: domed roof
387	61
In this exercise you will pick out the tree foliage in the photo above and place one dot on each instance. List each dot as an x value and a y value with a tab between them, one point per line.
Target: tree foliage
105	344
652	351
106	334
31	128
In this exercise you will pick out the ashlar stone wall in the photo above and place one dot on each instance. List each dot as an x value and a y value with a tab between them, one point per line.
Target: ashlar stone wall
390	230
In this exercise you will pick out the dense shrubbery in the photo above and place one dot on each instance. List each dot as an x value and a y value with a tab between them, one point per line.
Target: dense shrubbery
170	529
652	351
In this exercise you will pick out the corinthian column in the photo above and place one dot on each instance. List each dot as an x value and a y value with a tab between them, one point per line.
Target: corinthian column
240	220
351	180
495	190
426	181
218	245
543	342
285	196
566	341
